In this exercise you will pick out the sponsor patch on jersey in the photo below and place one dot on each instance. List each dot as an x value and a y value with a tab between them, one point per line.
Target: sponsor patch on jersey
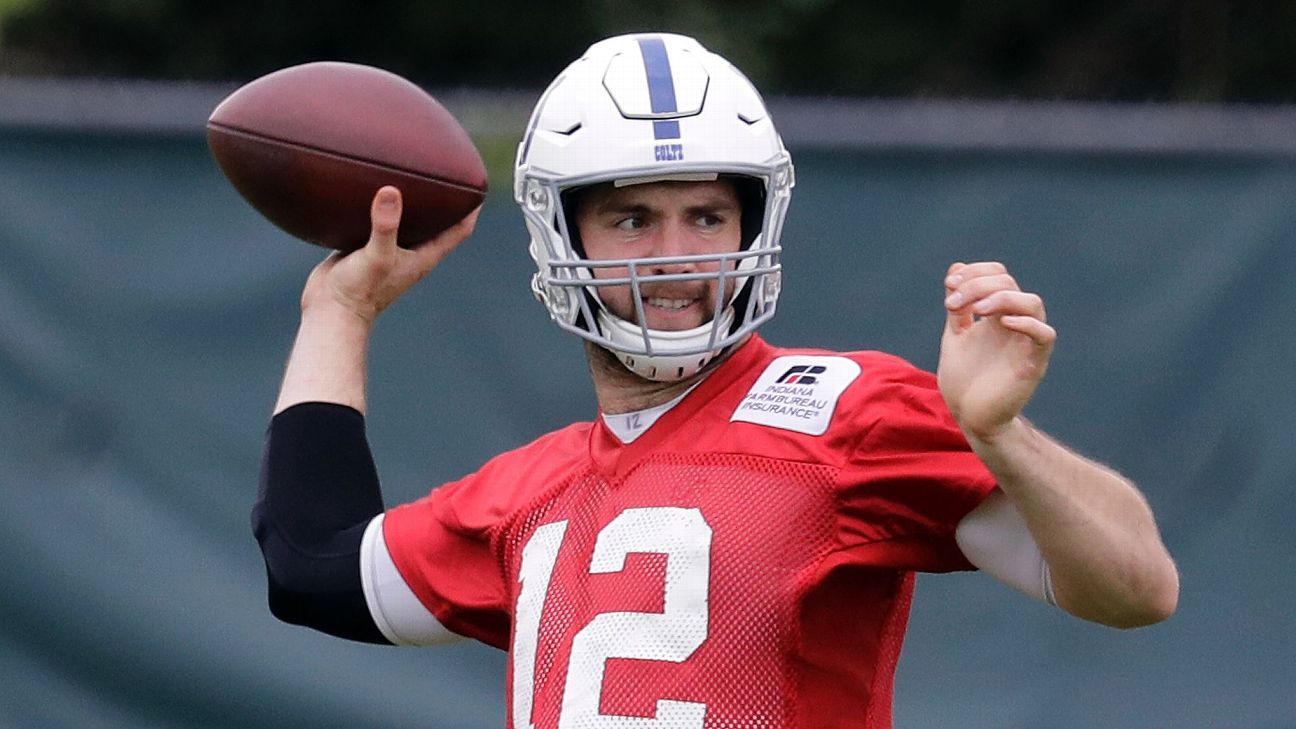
797	392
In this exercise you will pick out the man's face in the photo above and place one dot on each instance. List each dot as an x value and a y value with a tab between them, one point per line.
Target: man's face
656	220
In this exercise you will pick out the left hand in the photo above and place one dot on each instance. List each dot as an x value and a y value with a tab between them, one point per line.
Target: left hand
995	348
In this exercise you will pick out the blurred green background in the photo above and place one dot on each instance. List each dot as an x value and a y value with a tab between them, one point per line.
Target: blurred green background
1134	163
1200	50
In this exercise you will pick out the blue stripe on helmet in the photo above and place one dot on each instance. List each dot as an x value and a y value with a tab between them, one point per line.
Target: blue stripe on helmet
661	85
666	129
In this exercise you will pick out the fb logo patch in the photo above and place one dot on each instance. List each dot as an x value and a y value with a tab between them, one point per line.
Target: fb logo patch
798	392
803	374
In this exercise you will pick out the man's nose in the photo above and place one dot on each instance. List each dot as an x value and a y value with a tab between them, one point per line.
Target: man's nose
673	241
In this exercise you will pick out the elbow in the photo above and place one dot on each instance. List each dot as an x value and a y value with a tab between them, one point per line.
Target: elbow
286	604
1156	602
1143	615
288	575
1146	597
317	586
295	575
279	561
1163	601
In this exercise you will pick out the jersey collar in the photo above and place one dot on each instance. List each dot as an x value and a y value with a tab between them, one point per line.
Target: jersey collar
714	394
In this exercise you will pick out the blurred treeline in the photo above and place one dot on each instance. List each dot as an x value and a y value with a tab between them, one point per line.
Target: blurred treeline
1150	50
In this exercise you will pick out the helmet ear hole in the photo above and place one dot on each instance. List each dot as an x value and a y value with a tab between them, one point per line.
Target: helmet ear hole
571	203
751	199
740	305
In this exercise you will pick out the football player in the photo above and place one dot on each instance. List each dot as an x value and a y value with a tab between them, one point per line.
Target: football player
732	541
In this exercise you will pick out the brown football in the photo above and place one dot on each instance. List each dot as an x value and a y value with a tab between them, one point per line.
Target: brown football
308	146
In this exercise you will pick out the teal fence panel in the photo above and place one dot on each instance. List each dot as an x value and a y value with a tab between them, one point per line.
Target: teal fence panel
146	311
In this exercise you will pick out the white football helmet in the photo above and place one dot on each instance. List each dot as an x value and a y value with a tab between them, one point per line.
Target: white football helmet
645	108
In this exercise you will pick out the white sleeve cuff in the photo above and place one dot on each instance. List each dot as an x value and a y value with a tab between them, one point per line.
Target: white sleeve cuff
400	616
994	538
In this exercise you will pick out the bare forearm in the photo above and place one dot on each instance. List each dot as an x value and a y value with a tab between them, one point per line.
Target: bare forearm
1093	527
327	363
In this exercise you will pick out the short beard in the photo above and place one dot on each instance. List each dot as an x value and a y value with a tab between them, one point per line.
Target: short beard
602	360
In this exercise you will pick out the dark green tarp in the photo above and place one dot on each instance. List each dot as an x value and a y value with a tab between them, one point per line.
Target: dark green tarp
145	313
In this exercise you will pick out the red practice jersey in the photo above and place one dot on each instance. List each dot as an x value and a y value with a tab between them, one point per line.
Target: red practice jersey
747	562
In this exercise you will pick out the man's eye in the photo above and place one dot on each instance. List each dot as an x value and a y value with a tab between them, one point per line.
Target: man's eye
630	223
709	221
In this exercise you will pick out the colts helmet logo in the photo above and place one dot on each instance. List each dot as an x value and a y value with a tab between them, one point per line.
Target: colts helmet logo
661	97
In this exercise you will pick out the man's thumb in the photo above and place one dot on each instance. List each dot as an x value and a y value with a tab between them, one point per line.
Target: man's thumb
384	217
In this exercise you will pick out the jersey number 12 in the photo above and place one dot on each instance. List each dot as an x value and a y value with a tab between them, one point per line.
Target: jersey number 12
684	537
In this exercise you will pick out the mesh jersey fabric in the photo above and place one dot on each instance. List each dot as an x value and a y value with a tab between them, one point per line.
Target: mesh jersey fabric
718	574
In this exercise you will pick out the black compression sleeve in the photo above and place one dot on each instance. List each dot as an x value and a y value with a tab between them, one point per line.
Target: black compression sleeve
318	491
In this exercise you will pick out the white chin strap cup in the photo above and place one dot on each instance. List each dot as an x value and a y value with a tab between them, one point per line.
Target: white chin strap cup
676	354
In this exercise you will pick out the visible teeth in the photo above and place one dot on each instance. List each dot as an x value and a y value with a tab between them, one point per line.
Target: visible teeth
669	303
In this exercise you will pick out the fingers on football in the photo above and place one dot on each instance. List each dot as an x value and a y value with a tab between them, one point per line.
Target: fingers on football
431	252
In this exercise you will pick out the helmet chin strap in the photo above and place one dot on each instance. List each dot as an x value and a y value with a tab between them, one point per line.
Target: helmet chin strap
677	355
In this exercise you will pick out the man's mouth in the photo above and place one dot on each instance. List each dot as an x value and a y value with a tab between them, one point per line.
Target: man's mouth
668	304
